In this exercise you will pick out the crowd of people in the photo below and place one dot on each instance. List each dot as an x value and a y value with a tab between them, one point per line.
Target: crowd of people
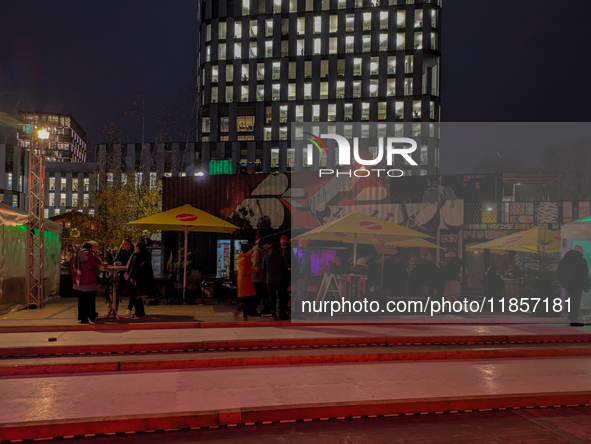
264	276
137	280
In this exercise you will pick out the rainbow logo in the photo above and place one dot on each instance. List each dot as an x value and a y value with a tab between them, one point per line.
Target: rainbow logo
314	141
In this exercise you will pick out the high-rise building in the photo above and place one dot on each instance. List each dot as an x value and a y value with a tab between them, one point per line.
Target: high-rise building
264	64
67	139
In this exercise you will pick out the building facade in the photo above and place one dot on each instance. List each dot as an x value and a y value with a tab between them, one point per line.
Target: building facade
264	64
13	176
67	139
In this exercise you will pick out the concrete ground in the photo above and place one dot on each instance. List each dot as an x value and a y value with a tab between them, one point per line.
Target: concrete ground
540	426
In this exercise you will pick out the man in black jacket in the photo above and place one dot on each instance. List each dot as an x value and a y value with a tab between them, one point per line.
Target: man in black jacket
123	256
275	269
573	273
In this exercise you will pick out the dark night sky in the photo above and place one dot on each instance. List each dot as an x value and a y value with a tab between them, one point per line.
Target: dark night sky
503	61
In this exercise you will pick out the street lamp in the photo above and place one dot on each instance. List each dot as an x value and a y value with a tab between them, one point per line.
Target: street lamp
36	205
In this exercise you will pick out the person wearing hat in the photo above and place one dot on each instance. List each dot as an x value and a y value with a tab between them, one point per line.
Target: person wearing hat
86	266
573	273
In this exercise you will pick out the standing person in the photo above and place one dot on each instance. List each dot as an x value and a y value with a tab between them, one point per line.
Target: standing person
395	276
86	266
122	258
512	272
246	289
287	253
140	273
453	270
573	273
275	270
304	271
424	275
258	279
493	286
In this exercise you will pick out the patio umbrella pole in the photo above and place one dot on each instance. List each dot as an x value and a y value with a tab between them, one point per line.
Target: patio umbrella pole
185	267
355	252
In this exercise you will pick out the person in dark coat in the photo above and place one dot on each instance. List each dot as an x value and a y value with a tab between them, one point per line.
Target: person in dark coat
424	275
140	273
122	257
573	273
512	272
86	266
275	269
453	279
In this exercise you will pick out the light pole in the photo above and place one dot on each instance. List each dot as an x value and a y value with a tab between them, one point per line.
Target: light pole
36	231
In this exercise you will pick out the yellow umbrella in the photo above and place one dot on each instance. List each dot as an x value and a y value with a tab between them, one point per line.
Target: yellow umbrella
536	240
185	218
360	229
414	242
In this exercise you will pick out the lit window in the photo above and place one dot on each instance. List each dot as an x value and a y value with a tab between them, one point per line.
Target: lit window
269	48
433	40
276	91
315	113
292	70
316	43
365	111
301	26
384	20
267	133
222	31
348	114
282	133
293	5
276	70
391	85
383	42
229	73
418	40
276	6
300	47
269	28
408	64
333	24
382	107
424	155
332	112
317	25
342	4
299	115
244	93
283	114
374	66
74	200
307	91
309	5
284	48
400	41
350	23
244	74
253	50
323	68
308	70
237	51
245	7
399	110
237	30
332	45
408	87
323	90
214	74
367	21
260	71
373	88
431	109
418	18
433	19
401	19
340	90
391	65
349	44
341	67
274	157
366	39
260	93
254	28
357	89
208	33
291	91
356	67
229	94
222	51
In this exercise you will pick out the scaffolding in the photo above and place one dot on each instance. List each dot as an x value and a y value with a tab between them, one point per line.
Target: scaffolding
36	231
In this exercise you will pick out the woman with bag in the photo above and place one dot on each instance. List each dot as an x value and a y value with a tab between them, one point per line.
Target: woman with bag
140	273
86	266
